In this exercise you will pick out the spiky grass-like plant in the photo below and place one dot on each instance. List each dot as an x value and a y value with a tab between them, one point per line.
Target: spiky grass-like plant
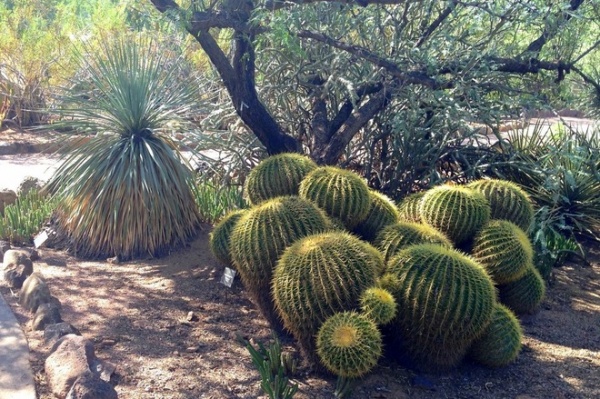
382	213
126	192
349	344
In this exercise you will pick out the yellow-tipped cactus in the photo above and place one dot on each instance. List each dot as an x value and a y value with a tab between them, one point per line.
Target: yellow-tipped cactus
277	175
400	235
525	294
349	344
379	305
219	238
382	213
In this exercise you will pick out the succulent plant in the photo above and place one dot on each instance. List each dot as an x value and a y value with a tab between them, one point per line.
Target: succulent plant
219	237
349	344
507	201
318	276
504	250
501	342
262	234
408	208
277	175
456	211
400	235
525	294
382	213
445	300
378	304
341	193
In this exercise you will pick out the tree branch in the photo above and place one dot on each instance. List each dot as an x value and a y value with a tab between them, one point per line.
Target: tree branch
435	24
279	4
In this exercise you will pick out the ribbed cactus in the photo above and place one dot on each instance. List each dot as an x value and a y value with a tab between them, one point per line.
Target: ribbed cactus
525	294
445	300
507	201
349	344
501	342
260	237
456	211
319	275
277	175
341	193
219	238
378	304
400	235
409	207
382	213
504	250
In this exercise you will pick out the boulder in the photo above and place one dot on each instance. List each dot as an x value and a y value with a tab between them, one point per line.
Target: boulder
17	267
34	293
54	332
4	246
46	314
89	386
7	197
70	358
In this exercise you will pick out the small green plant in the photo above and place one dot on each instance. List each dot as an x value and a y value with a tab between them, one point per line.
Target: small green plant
273	367
23	219
214	202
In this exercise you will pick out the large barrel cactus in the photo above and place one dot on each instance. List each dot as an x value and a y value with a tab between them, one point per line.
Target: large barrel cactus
277	175
409	207
445	301
507	201
400	235
260	237
341	193
456	211
349	344
219	237
504	250
501	342
525	294
318	276
382	213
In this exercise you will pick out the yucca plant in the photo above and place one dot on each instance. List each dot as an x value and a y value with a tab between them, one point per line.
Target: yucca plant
126	192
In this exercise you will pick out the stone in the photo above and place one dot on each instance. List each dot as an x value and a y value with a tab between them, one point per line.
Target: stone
46	314
4	246
14	257
70	358
16	275
53	332
28	184
7	197
34	293
89	386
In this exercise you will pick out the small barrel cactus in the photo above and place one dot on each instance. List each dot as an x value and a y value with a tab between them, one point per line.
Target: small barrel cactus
507	201
382	213
504	250
262	234
456	211
378	304
277	175
400	235
319	275
349	344
525	294
219	237
409	207
341	193
501	342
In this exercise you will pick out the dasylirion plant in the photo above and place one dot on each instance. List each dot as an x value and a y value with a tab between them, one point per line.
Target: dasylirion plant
500	344
504	250
507	201
378	304
382	213
408	208
445	300
456	211
277	175
318	276
402	234
349	344
341	193
262	234
219	237
525	294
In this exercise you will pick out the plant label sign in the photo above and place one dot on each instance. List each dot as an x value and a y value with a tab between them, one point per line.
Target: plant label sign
228	276
40	239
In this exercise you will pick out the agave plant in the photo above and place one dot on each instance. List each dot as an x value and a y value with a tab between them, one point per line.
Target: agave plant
127	191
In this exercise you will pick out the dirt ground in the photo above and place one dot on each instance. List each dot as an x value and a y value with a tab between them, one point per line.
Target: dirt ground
136	315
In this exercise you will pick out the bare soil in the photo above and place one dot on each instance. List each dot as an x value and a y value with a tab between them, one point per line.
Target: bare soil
136	314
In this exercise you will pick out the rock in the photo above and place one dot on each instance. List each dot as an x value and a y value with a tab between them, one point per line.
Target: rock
103	369
53	332
46	313
34	293
7	197
70	358
16	275
14	257
89	386
4	246
28	184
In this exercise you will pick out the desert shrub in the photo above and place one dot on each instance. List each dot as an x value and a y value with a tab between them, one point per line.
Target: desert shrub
214	201
25	218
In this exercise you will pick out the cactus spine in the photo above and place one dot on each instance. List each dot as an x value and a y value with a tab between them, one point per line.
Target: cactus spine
400	235
525	294
219	238
382	213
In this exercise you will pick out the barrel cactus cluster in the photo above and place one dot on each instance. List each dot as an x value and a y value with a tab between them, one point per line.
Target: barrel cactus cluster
435	279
